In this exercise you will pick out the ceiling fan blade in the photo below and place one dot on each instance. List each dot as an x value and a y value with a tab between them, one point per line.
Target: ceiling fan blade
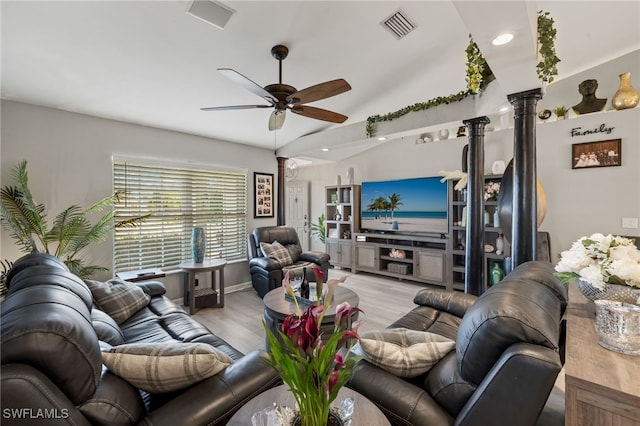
248	84
276	120
223	108
319	113
319	91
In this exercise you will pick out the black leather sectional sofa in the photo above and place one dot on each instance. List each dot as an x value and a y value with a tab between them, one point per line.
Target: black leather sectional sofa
52	370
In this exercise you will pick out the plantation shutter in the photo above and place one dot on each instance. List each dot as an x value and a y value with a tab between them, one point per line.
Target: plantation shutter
177	200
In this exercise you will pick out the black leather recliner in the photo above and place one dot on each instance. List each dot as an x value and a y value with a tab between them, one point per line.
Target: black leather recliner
52	371
509	351
266	272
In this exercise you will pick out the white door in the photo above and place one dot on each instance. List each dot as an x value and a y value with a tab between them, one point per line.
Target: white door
297	213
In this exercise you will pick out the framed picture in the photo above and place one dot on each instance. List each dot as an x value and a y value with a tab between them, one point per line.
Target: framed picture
596	154
263	196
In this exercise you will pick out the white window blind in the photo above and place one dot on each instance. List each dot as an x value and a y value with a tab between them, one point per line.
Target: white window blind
177	200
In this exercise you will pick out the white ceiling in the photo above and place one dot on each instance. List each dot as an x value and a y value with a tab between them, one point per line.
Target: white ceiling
149	62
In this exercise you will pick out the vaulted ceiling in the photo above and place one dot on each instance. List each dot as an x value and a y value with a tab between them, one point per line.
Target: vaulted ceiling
149	62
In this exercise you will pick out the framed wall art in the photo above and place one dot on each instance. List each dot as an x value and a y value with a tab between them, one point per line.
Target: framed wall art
263	195
596	154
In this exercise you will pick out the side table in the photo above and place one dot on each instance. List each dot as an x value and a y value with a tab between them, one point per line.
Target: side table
365	412
190	269
277	308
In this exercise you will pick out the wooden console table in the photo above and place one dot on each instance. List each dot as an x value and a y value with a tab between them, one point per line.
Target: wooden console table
602	387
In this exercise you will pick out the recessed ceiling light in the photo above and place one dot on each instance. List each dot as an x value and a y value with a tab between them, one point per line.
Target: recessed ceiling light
382	138
502	39
504	109
325	149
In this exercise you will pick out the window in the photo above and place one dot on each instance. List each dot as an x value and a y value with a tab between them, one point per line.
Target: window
177	200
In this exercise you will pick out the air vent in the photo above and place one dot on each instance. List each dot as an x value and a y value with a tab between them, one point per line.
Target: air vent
211	12
398	24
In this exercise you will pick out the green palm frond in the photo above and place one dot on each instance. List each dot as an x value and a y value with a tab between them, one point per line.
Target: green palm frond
21	220
38	211
77	266
68	229
131	222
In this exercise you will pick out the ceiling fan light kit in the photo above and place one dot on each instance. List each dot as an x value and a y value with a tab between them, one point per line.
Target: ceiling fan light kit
283	96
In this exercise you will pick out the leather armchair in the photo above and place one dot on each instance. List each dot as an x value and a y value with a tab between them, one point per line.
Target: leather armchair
52	334
267	272
509	351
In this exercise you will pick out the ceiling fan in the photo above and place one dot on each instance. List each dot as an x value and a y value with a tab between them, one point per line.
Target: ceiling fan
283	96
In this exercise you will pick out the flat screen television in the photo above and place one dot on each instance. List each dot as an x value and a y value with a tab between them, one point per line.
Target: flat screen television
417	205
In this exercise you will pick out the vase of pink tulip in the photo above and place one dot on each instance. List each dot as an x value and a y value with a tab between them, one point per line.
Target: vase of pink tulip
314	366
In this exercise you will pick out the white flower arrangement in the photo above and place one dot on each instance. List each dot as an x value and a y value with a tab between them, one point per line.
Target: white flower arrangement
491	191
600	259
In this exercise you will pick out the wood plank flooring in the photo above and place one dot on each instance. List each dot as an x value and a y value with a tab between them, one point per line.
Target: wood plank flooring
383	301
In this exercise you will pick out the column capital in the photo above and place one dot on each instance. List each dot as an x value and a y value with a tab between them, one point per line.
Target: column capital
477	120
532	93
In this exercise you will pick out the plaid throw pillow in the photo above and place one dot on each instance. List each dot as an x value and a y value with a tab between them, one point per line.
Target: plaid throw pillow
165	366
402	352
118	298
277	252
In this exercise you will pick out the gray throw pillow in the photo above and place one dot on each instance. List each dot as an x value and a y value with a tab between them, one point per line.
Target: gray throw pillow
165	366
403	352
118	298
277	252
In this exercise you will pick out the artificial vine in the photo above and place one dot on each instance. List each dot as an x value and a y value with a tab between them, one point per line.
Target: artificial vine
546	68
479	74
476	67
420	106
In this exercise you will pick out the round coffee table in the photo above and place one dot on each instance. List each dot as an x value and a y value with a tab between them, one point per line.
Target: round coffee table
364	411
277	308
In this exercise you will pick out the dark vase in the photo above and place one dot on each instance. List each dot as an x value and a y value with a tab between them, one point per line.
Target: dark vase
198	244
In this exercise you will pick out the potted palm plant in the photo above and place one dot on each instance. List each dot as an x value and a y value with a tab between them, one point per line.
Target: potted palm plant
318	229
70	232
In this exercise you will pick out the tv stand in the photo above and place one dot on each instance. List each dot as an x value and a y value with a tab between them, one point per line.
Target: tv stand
407	257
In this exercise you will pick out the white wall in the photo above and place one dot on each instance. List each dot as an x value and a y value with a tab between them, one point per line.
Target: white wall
580	202
69	162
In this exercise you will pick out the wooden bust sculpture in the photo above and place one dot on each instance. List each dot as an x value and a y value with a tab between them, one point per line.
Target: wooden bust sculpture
589	101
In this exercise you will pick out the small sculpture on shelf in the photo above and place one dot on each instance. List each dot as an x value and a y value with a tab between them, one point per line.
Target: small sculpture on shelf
589	103
545	114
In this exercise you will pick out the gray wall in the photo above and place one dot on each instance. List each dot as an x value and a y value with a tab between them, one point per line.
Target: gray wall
69	162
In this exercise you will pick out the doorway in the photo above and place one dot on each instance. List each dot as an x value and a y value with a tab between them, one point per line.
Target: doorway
297	210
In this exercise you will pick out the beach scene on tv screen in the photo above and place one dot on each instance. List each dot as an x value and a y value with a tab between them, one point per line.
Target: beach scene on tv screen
406	205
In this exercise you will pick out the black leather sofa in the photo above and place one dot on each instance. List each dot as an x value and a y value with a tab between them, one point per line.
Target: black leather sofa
267	272
52	370
509	350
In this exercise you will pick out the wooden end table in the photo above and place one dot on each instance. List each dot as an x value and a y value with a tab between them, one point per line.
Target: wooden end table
216	292
364	411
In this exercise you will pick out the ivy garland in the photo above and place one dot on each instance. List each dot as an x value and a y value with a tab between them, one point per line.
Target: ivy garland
546	68
479	74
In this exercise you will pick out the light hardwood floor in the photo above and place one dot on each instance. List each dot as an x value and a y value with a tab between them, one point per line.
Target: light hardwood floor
382	300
